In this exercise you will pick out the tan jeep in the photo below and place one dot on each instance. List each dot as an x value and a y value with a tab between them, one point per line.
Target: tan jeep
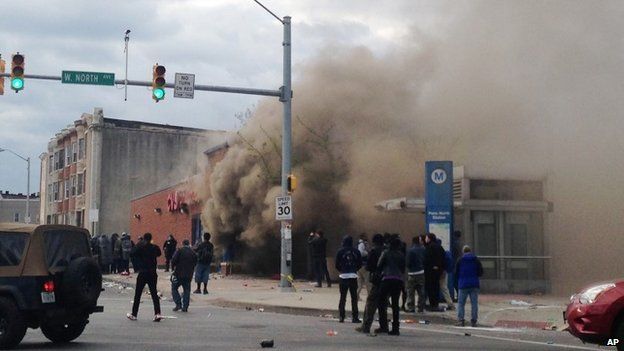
48	279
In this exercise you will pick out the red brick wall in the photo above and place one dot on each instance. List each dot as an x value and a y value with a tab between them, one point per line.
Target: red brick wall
160	224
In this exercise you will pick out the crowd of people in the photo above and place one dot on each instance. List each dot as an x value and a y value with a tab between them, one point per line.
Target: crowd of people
389	270
115	254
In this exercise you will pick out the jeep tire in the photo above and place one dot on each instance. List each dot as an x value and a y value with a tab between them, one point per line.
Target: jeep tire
82	282
63	333
12	324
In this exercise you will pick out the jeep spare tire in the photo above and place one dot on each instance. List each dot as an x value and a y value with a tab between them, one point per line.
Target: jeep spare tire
82	282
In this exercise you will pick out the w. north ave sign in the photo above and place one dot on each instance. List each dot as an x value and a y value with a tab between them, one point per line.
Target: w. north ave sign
91	78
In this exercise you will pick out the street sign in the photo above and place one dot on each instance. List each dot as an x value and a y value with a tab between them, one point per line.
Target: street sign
184	86
90	78
283	208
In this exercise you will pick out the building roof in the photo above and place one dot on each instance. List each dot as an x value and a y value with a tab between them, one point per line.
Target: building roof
9	196
217	148
121	123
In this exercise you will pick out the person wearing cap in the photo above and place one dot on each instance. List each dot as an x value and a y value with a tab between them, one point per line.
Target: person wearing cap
183	265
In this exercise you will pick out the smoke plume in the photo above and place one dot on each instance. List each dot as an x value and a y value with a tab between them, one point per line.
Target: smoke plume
511	90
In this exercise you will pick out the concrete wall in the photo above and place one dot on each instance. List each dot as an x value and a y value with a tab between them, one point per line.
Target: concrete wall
139	161
8	208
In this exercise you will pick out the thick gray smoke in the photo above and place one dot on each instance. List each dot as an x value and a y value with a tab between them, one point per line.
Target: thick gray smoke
512	90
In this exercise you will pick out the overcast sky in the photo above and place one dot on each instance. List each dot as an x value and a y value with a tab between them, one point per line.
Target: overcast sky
223	42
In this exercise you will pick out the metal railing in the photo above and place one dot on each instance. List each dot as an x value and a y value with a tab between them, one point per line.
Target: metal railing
515	267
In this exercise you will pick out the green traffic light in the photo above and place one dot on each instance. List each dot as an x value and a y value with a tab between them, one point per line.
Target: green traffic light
159	93
17	83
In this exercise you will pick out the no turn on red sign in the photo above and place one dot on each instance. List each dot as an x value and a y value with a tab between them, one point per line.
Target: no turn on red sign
283	208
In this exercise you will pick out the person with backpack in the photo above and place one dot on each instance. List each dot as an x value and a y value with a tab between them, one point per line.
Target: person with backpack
205	252
145	254
169	247
126	247
348	262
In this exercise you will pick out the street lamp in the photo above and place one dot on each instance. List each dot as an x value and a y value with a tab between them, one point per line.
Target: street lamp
27	159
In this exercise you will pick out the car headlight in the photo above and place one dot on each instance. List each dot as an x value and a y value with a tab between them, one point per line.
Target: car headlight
589	295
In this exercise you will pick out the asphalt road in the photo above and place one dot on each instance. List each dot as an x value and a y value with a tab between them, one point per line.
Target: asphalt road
214	328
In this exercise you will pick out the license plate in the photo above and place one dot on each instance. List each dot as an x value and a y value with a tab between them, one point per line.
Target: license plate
47	297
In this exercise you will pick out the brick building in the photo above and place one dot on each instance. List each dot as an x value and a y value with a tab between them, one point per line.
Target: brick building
174	209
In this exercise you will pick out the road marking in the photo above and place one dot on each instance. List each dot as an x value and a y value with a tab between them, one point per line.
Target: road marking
541	343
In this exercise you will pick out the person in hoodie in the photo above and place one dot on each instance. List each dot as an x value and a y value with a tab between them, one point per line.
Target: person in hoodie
183	265
348	262
392	268
434	266
415	275
467	273
372	300
169	247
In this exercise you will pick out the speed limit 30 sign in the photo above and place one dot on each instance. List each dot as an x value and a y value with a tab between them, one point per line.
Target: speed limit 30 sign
283	208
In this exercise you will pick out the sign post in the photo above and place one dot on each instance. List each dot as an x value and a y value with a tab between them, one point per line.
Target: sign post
439	200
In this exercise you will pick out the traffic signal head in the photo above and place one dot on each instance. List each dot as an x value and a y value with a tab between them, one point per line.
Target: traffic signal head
17	72
158	82
291	183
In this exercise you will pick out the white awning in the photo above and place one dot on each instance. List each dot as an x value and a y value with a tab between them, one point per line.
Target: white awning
410	204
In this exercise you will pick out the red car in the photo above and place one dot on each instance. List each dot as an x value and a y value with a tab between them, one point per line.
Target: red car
596	314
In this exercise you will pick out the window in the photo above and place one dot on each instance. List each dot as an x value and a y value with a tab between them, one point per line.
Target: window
51	164
13	245
56	191
49	219
73	185
56	160
50	193
79	218
61	161
67	189
61	246
80	186
16	217
74	152
68	155
81	148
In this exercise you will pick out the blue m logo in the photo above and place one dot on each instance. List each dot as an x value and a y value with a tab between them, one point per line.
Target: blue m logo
438	176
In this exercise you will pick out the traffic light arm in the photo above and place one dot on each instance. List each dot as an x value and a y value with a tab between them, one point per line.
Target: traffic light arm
221	89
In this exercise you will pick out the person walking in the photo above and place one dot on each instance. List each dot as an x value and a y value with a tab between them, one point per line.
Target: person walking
372	300
169	247
467	272
362	273
145	254
444	276
348	262
205	253
319	257
126	247
415	275
392	268
434	265
183	265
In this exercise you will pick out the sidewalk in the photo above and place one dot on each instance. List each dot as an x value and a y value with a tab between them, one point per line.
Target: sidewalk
507	311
